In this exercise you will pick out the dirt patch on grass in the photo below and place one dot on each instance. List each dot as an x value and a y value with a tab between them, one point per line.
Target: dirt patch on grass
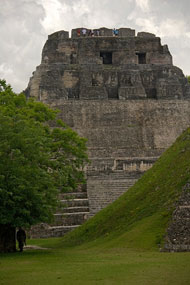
29	247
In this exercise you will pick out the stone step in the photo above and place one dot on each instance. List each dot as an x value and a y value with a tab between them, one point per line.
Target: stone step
73	195
109	185
75	202
59	231
114	175
76	209
70	219
46	231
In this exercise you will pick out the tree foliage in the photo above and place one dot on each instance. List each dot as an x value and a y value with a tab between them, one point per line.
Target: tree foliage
36	160
188	78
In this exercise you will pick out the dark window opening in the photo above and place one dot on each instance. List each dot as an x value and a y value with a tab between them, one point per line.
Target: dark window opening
112	93
94	82
151	93
141	57
73	93
73	58
106	56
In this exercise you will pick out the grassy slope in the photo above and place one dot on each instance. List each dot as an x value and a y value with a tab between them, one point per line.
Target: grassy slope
93	265
138	219
118	244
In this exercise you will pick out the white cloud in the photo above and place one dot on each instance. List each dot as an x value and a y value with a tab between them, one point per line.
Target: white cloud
147	24
22	35
6	69
143	4
172	28
53	10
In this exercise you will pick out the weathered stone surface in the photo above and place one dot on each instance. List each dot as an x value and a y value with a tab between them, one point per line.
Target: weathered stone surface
74	212
145	35
106	67
123	94
178	233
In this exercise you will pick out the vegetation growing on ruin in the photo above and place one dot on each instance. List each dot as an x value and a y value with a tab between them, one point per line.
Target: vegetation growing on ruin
139	218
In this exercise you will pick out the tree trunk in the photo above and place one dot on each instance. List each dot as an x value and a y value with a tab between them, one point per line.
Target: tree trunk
7	238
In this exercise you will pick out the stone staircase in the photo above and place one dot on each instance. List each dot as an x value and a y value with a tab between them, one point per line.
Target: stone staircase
114	175
104	189
73	212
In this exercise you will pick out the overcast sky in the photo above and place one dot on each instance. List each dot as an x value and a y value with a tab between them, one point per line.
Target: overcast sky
25	25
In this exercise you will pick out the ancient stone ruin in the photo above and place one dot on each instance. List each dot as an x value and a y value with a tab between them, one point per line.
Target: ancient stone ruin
123	93
178	232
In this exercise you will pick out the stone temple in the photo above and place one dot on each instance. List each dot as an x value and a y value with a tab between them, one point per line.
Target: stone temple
124	95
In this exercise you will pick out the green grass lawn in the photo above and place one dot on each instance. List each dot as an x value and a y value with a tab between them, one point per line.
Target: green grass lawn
119	245
93	263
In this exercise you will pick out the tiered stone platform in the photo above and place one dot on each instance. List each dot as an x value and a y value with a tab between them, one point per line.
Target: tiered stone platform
74	212
120	92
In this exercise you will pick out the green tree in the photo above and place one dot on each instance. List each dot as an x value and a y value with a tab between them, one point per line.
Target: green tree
39	156
188	78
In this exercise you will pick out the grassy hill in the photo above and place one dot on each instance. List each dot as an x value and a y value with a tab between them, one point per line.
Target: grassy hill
139	218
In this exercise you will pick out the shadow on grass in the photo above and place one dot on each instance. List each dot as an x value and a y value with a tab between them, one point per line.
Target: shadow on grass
26	253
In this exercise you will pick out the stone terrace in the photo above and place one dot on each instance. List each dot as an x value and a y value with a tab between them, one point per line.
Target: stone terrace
120	92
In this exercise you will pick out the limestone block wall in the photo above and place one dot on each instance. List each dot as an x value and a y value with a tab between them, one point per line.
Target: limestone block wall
84	50
126	127
74	68
52	82
120	92
102	190
124	140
